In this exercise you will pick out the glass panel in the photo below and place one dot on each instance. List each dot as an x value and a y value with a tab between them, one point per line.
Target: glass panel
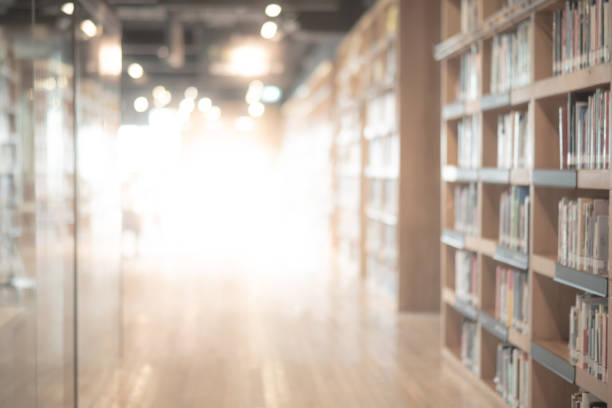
98	61
36	206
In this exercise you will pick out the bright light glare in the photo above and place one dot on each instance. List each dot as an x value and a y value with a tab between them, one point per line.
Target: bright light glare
214	113
161	96
110	58
89	28
268	30
135	70
249	61
191	92
68	8
256	109
186	106
141	104
204	105
271	94
273	10
254	92
244	124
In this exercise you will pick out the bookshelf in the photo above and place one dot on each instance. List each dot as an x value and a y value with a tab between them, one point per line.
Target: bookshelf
531	93
380	143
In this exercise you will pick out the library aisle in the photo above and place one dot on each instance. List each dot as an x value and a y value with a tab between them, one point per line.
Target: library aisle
218	333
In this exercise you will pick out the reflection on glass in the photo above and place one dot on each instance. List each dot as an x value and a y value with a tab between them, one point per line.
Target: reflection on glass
98	62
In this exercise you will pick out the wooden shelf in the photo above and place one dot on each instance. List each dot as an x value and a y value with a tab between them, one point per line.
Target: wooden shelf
591	384
510	257
554	355
544	265
594	179
454	174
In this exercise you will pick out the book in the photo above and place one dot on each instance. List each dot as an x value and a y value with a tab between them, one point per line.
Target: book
582	234
511	59
585	399
466	200
466	277
580	35
511	375
511	298
469	15
514	211
469	75
468	147
583	131
470	345
588	335
513	147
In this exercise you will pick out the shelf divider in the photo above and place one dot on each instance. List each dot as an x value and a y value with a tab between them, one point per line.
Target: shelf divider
597	285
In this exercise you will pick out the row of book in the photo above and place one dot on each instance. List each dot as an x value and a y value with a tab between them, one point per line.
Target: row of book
384	152
583	234
381	118
588	337
469	145
511	59
511	378
514	207
469	74
584	399
470	345
513	147
512	298
584	131
383	195
581	33
466	277
469	15
466	200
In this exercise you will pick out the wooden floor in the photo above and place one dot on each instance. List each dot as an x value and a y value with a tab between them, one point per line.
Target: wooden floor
218	334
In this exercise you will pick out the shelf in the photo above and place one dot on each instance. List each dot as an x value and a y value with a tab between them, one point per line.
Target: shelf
500	21
597	285
493	326
453	174
457	110
465	309
481	245
554	355
453	239
594	179
495	101
520	177
544	265
494	176
554	178
518	339
584	79
510	257
591	384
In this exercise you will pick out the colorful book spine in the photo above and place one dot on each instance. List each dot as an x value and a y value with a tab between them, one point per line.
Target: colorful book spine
514	211
470	345
466	200
466	277
511	379
512	298
513	147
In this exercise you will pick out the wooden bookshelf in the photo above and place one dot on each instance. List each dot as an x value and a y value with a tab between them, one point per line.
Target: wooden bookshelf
552	288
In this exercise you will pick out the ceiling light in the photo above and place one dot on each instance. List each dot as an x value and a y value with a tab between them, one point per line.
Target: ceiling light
214	113
271	94
249	61
89	28
204	105
244	124
256	110
161	96
141	104
268	30
110	58
68	8
135	70
186	106
273	10
191	92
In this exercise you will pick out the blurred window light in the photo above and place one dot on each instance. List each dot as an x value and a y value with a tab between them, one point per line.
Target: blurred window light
214	113
68	8
268	30
254	92
191	92
135	70
89	28
256	109
186	106
244	124
204	105
110	59
271	94
141	104
249	61
273	10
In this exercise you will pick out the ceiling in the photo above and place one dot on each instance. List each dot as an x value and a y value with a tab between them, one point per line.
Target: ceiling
181	43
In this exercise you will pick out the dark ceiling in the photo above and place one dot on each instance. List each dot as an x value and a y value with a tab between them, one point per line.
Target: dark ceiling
179	42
